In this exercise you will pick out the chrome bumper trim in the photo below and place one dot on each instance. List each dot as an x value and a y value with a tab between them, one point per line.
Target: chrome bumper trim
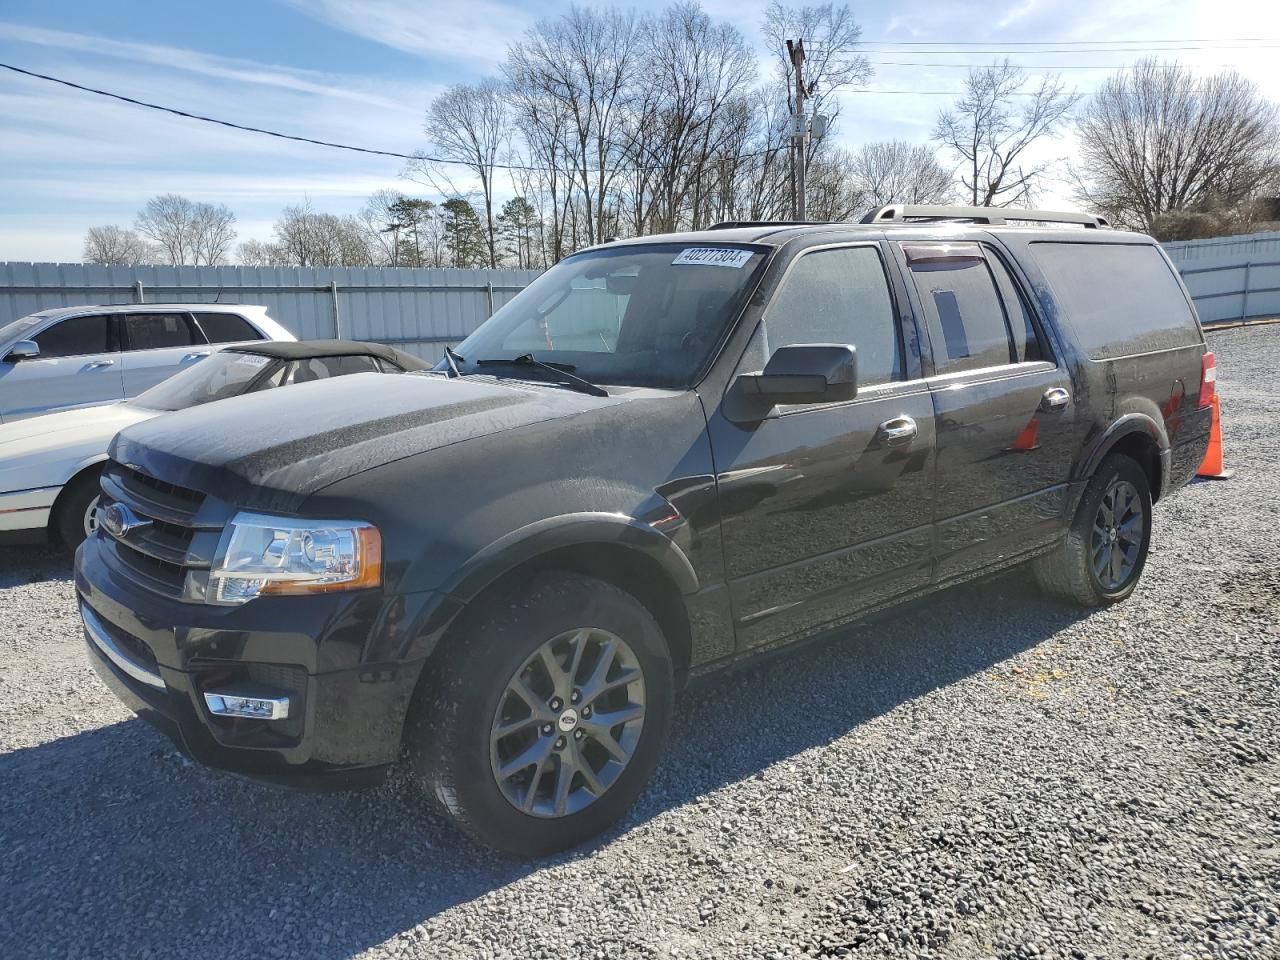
95	631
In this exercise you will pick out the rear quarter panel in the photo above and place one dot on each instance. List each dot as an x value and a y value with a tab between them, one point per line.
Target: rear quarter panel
1155	392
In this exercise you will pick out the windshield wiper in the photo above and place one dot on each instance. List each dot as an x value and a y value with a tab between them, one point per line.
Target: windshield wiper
453	360
565	370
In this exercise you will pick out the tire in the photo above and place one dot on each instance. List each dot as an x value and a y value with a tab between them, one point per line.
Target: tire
72	518
456	741
1071	572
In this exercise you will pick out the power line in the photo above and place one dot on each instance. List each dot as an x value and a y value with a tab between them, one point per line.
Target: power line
340	146
1034	66
223	123
930	93
1061	43
1075	52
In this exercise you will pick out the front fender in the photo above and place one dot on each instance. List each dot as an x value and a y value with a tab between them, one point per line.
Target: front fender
569	530
437	609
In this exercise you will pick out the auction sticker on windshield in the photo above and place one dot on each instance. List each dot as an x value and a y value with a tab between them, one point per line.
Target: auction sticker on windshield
714	257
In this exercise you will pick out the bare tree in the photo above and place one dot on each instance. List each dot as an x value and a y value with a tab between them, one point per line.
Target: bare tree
631	124
693	71
585	64
990	128
470	125
115	245
899	172
215	233
1155	139
305	238
259	253
186	232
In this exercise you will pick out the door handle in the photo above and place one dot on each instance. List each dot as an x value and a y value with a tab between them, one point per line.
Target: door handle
897	431
199	354
1055	398
95	364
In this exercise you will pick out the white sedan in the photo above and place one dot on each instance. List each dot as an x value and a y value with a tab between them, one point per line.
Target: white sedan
49	465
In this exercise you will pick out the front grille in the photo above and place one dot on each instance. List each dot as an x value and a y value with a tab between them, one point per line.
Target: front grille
178	536
163	488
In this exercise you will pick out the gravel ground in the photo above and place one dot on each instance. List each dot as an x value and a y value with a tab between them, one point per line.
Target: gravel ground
987	775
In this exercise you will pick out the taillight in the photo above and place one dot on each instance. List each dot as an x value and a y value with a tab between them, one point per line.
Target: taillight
1208	378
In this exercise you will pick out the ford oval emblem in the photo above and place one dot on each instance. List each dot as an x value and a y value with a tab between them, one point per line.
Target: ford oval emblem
119	521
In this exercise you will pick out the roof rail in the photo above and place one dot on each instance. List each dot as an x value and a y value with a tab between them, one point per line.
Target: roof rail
994	216
734	224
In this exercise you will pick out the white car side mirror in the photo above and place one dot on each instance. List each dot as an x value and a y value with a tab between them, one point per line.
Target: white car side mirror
22	350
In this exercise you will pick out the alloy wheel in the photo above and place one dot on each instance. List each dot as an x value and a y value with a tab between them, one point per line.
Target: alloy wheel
1118	529
568	723
90	519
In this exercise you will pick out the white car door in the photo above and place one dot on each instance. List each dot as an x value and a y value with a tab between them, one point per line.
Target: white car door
158	345
78	366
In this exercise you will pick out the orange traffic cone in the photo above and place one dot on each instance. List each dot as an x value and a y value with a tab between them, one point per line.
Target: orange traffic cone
1212	468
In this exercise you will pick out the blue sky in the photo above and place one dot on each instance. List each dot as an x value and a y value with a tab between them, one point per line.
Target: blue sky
363	71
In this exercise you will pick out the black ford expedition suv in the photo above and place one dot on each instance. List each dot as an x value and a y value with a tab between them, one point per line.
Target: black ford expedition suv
665	454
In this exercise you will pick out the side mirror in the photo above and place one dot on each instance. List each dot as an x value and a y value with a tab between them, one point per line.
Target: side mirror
22	350
805	373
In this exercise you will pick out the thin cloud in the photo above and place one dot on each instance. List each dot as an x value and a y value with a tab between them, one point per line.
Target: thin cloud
478	30
192	61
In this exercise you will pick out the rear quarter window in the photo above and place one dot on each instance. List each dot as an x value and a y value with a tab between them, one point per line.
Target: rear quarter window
1118	299
226	327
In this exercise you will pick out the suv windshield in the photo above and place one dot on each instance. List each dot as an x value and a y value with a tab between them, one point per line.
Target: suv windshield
225	374
641	315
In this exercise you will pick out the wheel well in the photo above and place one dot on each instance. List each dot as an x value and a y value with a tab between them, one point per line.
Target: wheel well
627	569
1142	449
61	498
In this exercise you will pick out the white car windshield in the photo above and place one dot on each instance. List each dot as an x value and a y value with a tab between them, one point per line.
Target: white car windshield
645	315
228	373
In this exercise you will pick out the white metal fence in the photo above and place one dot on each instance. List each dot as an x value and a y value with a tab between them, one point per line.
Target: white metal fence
1231	278
418	310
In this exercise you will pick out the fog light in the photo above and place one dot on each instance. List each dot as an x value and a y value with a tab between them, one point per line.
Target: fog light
255	708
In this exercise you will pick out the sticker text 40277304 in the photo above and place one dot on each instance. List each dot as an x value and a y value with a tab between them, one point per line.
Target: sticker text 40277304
714	257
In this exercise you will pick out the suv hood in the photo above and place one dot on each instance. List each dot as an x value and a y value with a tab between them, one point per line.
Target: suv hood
271	450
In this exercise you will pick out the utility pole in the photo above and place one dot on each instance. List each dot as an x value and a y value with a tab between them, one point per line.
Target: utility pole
799	129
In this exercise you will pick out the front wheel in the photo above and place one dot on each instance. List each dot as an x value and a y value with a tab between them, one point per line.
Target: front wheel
1105	550
546	716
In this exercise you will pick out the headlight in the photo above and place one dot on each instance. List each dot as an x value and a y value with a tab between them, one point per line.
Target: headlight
270	556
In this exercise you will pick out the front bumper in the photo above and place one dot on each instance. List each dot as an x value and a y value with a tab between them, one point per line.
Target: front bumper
346	662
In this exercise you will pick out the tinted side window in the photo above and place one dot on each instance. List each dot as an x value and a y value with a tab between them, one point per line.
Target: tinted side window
1118	299
1027	344
839	296
227	327
966	319
77	336
151	331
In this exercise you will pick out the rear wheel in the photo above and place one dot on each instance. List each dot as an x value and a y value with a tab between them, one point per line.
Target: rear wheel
547	716
1102	558
77	510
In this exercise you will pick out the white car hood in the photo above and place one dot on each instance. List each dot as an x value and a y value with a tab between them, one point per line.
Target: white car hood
48	450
